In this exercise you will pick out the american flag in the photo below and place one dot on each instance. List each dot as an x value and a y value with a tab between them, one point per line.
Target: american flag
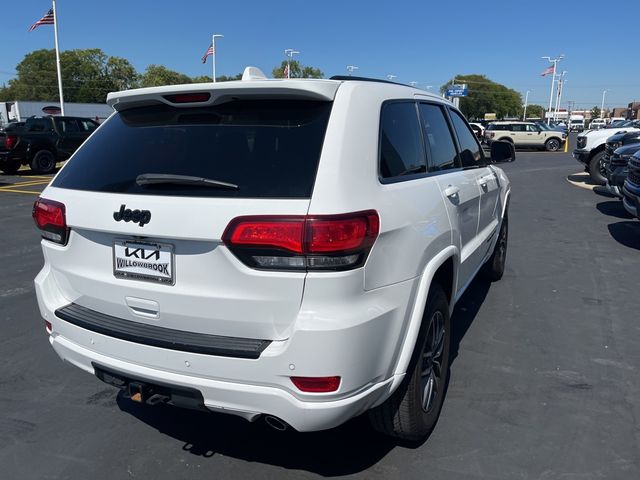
548	71
286	71
48	19
207	53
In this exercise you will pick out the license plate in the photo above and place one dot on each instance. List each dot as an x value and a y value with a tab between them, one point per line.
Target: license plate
152	262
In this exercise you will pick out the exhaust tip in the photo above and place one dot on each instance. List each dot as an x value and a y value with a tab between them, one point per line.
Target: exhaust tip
276	423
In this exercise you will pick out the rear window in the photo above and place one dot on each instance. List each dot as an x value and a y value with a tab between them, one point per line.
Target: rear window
269	148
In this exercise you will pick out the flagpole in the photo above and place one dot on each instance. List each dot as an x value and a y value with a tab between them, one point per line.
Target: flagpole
214	54
55	35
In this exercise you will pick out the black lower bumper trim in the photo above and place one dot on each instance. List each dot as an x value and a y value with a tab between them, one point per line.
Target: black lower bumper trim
161	337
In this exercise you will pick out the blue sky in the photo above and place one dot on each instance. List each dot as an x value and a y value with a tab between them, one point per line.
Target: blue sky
423	41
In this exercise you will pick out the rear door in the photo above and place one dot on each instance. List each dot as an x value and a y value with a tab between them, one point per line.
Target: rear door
153	253
459	187
473	159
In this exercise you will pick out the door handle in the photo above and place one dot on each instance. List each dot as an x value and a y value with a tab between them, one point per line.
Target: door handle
451	191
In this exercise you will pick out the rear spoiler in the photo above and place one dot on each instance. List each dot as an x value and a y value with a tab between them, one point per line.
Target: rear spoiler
252	86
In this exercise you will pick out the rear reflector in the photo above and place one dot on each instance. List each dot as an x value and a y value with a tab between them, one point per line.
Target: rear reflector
188	97
316	384
334	242
50	218
48	326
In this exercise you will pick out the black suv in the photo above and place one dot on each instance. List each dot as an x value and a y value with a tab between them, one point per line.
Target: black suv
618	150
631	189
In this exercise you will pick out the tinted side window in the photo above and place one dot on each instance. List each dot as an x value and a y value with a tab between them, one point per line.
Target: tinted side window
401	146
87	125
438	138
470	151
531	128
37	125
518	127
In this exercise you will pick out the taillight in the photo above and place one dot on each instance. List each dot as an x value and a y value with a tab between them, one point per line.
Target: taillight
311	242
10	141
491	135
316	384
48	327
51	219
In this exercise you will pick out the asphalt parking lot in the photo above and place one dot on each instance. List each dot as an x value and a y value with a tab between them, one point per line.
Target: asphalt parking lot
544	382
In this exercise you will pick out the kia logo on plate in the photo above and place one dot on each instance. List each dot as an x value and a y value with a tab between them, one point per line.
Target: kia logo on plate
141	217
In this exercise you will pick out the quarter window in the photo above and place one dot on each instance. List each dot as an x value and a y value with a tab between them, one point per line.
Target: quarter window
470	151
401	147
442	150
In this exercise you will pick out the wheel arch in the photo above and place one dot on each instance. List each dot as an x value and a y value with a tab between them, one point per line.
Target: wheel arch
34	148
442	268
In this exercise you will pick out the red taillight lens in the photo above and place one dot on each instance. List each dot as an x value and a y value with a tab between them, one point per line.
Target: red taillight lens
341	233
48	326
189	97
10	141
286	233
334	242
316	384
50	218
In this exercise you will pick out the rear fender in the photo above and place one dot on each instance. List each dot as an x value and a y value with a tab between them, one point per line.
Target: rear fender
415	321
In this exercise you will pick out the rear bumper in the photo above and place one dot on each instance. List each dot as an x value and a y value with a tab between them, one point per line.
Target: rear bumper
357	339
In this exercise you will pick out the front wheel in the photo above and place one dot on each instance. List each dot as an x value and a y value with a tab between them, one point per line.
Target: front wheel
412	411
596	169
552	145
43	162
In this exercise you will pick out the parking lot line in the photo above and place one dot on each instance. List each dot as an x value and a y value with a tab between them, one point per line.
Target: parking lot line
5	189
27	184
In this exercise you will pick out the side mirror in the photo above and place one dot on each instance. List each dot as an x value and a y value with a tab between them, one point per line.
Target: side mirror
502	152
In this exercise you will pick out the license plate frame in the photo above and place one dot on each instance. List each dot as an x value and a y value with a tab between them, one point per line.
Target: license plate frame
142	253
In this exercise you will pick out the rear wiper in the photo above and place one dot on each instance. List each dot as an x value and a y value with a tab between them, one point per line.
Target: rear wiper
167	178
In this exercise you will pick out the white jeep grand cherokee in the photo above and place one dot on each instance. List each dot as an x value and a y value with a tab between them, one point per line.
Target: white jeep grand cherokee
287	249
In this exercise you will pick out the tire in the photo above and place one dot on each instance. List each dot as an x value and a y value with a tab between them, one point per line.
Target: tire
412	411
596	169
552	145
43	162
10	167
493	270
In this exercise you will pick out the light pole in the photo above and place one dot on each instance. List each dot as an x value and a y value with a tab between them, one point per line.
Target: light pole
391	77
215	53
602	106
290	52
559	94
553	81
351	68
561	87
526	102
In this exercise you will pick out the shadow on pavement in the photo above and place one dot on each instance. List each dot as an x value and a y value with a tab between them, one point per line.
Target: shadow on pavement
626	233
466	311
580	178
347	449
613	209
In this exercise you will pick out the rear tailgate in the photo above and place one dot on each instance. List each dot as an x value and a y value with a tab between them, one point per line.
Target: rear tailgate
153	253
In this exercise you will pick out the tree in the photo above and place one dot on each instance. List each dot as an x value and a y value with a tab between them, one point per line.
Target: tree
486	96
595	112
221	78
297	70
158	75
87	76
533	111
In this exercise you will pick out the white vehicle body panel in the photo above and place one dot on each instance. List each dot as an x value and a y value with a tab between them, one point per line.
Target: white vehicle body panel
359	324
